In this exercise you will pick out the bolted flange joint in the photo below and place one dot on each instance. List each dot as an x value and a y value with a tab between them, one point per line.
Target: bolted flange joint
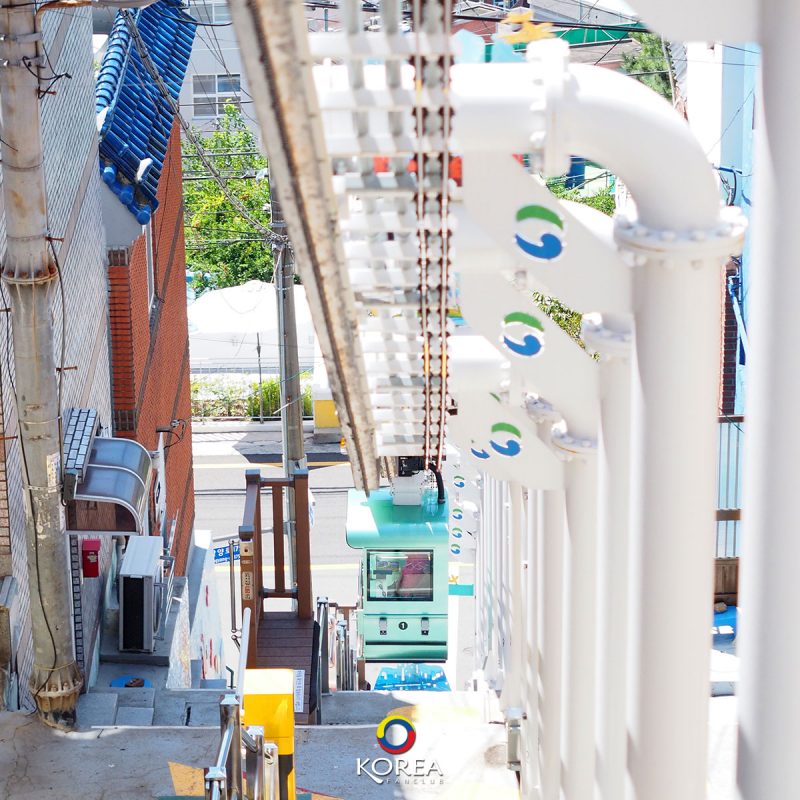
568	447
539	410
608	343
640	244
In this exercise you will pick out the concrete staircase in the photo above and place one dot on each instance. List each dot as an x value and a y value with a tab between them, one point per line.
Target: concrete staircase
107	707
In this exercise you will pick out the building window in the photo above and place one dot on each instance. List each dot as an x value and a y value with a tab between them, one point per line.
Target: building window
400	575
211	93
218	13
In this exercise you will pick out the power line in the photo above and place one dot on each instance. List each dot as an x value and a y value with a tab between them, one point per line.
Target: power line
632	28
231	153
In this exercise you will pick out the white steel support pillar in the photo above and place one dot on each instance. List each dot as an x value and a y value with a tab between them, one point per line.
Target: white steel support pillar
551	640
514	602
530	651
610	337
550	527
676	245
507	602
769	690
497	580
483	616
580	572
673	491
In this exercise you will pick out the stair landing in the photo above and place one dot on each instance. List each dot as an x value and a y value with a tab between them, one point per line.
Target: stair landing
287	642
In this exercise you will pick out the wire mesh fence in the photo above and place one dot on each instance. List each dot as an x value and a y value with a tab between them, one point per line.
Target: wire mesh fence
214	398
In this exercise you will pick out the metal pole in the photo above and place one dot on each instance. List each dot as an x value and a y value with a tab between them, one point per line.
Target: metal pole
291	397
260	381
514	602
530	655
232	578
29	271
769	693
551	633
611	339
673	494
230	724
580	621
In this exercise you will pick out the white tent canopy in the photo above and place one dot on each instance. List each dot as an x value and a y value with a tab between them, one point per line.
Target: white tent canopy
226	324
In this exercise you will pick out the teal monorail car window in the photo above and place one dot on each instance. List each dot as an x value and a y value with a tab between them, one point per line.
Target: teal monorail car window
400	575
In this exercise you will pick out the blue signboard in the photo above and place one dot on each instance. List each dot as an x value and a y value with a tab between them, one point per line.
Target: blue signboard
222	554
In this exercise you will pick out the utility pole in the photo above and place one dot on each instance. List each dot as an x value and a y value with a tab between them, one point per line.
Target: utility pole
260	380
294	457
29	271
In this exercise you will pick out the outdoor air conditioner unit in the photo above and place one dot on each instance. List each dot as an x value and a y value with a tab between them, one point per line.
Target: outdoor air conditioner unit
140	594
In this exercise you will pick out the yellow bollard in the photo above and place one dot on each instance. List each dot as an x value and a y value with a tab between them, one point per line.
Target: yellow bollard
269	701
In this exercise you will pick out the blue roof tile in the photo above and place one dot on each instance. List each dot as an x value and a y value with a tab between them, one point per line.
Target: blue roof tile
134	120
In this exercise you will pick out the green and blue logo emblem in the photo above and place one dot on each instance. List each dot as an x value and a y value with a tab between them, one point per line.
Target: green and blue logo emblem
549	245
506	441
523	334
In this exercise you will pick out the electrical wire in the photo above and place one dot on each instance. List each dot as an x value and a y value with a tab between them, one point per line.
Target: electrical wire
632	28
732	120
179	436
216	52
607	52
144	55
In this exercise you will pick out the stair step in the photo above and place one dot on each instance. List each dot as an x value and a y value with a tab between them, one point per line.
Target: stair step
213	683
134	715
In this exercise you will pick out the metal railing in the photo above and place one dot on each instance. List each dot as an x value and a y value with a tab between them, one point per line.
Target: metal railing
346	655
729	482
254	777
338	657
323	655
164	587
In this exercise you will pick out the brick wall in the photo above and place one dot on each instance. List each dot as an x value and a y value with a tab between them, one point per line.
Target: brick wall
73	195
729	347
150	346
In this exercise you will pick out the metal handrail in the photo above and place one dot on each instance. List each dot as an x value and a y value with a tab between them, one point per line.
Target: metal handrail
323	655
244	646
227	779
165	586
232	578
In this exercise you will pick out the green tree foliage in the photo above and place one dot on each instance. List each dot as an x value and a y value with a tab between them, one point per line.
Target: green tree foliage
603	200
565	317
649	59
223	247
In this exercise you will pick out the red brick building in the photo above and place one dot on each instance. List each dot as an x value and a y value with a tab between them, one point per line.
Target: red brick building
150	351
729	346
